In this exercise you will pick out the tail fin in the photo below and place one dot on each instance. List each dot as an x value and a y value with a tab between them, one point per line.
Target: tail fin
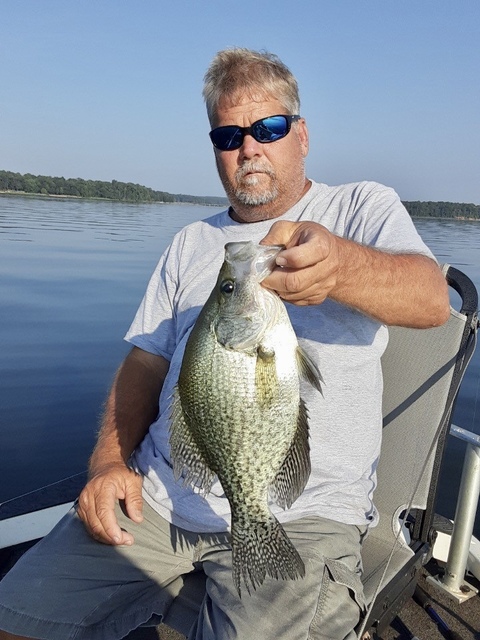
261	548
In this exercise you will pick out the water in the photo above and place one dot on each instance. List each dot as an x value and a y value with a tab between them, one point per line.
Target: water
72	275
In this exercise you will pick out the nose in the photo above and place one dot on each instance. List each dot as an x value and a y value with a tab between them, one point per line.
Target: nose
250	148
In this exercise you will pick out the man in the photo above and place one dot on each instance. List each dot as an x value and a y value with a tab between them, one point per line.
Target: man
353	263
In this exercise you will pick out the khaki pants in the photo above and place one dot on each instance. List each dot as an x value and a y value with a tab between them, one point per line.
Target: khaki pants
69	586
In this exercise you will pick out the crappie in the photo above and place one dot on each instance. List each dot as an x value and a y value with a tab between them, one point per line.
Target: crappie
237	412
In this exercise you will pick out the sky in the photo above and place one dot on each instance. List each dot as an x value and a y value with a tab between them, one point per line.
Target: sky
111	89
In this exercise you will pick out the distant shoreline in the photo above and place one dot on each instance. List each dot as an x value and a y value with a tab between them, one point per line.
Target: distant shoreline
114	190
29	185
460	218
55	196
25	194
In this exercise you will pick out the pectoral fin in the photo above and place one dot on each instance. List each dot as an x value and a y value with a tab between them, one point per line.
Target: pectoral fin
308	369
266	380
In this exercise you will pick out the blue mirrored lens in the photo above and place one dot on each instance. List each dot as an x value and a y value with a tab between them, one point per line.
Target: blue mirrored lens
270	129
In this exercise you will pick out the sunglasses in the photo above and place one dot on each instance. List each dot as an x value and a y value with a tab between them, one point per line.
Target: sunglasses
265	130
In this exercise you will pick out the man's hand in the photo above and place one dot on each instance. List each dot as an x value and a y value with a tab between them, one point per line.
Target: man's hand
131	407
308	267
97	502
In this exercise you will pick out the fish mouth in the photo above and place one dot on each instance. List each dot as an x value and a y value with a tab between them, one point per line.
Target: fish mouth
248	259
267	260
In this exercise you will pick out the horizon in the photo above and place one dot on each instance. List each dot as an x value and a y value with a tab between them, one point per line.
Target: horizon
200	195
109	92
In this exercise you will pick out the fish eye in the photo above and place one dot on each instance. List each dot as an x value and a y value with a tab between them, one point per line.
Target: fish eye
227	286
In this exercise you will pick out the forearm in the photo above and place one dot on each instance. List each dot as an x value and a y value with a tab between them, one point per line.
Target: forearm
396	289
131	407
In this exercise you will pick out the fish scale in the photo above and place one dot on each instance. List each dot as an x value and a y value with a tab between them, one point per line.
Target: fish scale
237	412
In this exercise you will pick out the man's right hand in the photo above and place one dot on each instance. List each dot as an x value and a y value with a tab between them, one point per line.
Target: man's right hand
131	407
97	502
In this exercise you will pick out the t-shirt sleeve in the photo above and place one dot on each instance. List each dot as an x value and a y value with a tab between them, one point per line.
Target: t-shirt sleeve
380	220
153	328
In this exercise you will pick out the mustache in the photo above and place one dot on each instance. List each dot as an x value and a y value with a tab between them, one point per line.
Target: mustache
253	167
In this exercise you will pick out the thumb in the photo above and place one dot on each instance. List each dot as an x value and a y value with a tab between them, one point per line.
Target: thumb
280	232
134	500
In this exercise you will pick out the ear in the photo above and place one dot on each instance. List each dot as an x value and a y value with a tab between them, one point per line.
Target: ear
302	132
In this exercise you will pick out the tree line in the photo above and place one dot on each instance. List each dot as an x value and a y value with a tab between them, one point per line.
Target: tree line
80	188
130	192
443	210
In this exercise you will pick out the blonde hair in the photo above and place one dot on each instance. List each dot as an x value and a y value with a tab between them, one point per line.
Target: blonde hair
238	71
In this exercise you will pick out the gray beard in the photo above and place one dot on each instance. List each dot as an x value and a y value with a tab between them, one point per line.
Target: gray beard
246	196
256	199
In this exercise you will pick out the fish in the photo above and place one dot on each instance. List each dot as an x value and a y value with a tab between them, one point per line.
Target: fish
237	414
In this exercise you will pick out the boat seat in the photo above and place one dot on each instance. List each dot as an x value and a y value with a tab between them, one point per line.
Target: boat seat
422	370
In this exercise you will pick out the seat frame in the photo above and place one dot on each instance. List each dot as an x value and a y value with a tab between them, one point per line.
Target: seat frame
417	532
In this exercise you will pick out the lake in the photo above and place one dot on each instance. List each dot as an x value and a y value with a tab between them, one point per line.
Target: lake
72	275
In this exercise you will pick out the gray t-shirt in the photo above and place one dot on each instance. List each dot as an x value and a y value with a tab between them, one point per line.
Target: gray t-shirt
345	424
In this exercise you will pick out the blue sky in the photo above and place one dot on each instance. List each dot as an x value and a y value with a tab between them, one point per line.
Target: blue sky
111	89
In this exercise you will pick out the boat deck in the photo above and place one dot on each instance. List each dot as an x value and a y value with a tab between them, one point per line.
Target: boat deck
463	619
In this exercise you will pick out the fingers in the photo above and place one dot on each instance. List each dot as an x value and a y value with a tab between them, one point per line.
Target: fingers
97	501
134	500
307	267
305	242
96	509
301	287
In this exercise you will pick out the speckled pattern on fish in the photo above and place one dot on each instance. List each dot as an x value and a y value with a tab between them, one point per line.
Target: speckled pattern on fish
237	412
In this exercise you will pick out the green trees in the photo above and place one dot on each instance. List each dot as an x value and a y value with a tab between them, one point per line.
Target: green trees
130	192
443	210
77	187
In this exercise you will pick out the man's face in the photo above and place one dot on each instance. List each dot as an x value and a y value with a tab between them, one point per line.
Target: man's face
262	181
